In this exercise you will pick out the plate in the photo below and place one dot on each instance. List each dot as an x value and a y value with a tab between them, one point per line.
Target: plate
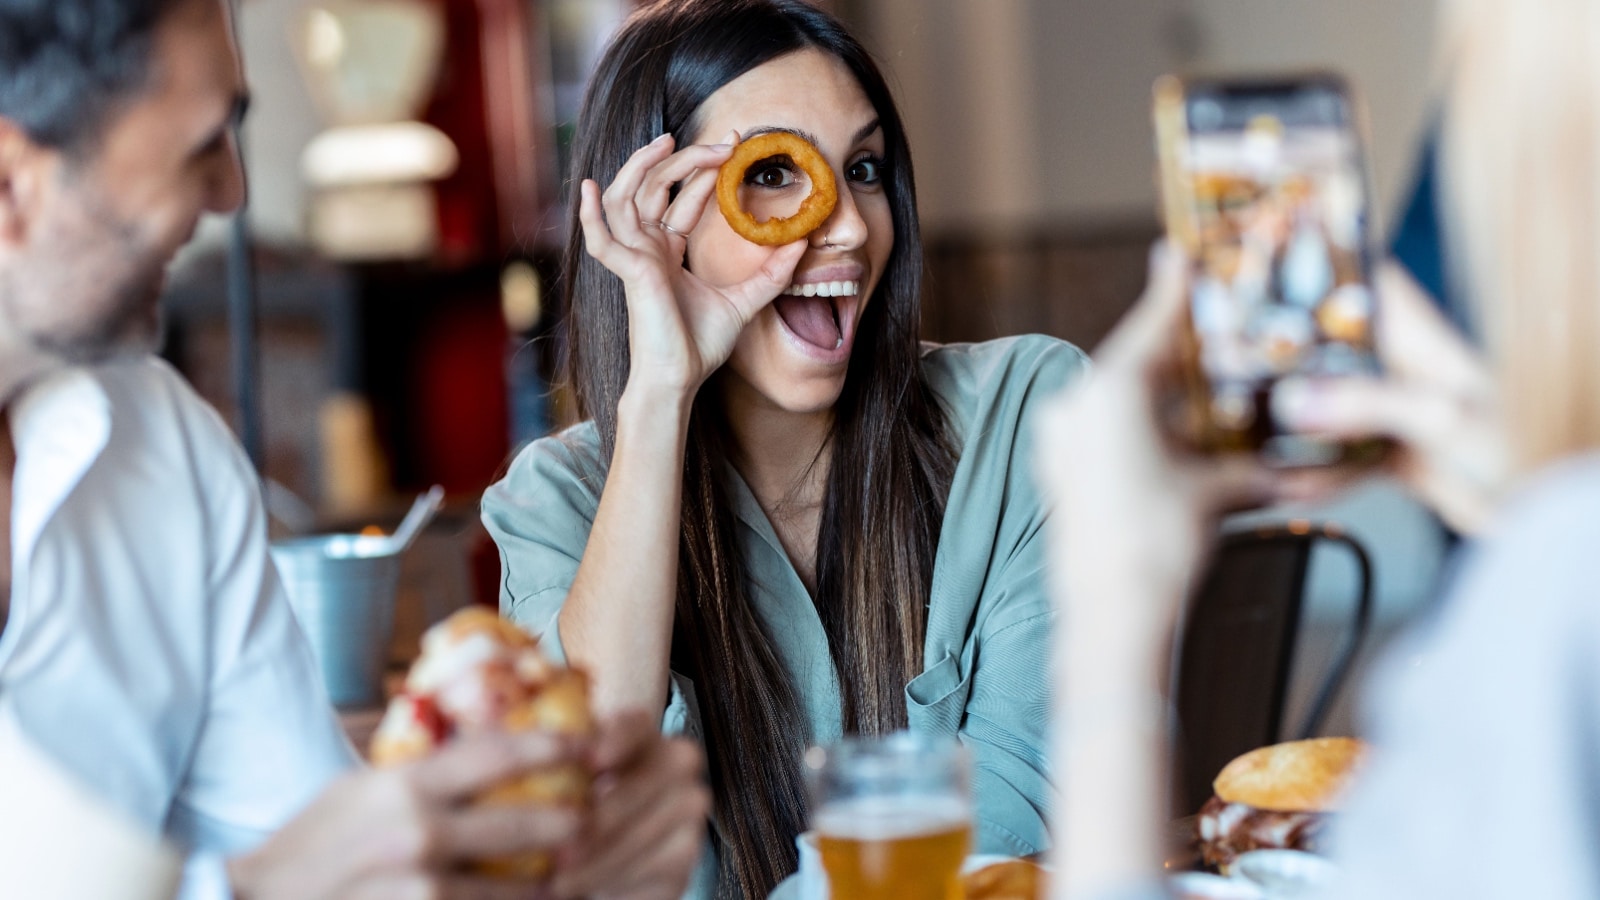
1286	873
1205	886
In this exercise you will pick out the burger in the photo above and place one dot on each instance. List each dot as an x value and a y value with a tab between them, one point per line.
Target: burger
478	673
1276	798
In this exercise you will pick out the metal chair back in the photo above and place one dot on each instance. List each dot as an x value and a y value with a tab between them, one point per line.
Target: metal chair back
1237	647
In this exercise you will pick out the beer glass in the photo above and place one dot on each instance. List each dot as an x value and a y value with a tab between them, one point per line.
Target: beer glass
893	816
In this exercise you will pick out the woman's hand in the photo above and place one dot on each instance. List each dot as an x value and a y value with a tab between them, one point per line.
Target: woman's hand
404	832
1129	503
1131	519
680	328
645	835
1436	399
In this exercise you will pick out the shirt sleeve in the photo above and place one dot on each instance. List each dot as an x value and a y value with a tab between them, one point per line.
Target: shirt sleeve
540	515
269	741
1487	728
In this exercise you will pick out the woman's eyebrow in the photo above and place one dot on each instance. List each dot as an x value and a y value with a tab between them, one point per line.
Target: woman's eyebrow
861	134
778	129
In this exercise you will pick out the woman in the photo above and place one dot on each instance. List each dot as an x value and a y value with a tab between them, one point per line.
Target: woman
1485	721
785	520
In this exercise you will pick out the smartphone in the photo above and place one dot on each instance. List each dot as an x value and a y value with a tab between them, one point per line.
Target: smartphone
1264	184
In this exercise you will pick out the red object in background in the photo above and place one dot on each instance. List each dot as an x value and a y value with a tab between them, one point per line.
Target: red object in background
487	102
460	435
441	378
468	206
514	107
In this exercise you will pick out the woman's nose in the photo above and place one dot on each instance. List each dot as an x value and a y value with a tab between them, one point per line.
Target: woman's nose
844	228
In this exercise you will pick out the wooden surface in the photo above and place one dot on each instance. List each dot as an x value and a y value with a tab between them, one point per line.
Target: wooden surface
360	722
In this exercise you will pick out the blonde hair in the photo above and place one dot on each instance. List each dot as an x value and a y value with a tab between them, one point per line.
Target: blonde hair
1520	154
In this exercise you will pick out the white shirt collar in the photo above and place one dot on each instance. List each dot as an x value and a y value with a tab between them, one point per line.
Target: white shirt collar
60	425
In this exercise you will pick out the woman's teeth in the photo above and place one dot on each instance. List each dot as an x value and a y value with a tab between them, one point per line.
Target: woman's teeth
822	289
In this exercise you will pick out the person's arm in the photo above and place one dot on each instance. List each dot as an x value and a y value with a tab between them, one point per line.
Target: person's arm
1132	518
407	831
617	620
269	740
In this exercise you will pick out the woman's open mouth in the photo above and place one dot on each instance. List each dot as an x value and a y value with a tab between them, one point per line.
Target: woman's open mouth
820	317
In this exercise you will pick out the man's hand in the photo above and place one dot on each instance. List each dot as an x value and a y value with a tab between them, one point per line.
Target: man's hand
646	830
394	834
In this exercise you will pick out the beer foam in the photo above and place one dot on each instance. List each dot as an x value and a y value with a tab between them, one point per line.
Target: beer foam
888	818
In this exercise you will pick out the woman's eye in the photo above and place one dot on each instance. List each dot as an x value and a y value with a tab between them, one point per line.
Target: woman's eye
773	175
866	171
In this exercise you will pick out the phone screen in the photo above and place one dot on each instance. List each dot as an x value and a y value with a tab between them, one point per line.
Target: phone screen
1266	187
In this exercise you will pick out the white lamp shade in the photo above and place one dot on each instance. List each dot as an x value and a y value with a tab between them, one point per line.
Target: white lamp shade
369	61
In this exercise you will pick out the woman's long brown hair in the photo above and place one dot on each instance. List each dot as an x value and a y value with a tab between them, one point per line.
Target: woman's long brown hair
891	459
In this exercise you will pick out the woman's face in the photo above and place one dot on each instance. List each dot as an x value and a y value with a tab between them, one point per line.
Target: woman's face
794	354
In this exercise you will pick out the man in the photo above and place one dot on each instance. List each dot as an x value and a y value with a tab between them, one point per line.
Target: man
147	647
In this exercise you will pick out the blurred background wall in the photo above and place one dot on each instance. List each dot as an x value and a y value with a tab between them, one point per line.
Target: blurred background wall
1028	113
1029	123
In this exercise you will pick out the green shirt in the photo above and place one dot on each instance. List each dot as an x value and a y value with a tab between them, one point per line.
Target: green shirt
987	650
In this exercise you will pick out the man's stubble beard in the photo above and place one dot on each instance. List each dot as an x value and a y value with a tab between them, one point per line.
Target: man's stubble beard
101	251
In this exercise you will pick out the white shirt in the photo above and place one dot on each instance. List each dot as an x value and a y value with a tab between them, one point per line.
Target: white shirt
1485	780
150	649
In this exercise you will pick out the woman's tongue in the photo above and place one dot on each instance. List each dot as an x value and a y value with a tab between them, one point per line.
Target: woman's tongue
812	320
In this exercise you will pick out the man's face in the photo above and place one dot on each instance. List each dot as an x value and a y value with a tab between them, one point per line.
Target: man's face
83	265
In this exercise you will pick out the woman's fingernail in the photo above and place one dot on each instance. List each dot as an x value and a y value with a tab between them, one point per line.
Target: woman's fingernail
732	137
662	137
721	147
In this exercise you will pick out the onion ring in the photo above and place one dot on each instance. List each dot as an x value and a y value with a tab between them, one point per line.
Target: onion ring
814	210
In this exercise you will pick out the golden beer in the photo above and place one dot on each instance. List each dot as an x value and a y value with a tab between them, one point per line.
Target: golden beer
902	849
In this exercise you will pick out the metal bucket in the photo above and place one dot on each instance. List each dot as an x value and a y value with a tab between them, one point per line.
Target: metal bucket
342	588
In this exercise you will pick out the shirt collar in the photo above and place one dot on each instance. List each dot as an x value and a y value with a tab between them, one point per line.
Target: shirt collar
61	425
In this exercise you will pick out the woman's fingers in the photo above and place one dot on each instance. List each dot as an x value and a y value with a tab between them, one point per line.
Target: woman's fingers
597	238
691	162
1358	407
769	281
1417	341
685	211
689	206
1452	452
1146	337
620	198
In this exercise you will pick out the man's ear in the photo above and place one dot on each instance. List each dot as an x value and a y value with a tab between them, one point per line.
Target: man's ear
23	165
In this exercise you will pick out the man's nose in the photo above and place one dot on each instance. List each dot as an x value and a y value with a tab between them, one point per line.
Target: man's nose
227	191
